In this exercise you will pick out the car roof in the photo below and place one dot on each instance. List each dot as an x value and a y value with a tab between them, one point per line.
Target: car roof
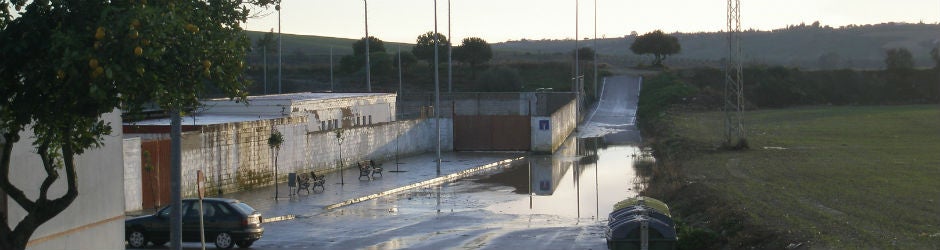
224	200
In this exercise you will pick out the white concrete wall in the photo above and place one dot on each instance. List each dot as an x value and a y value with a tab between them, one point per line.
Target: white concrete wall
132	185
230	153
94	220
564	120
541	137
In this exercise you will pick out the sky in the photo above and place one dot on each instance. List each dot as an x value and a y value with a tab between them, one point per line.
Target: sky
502	20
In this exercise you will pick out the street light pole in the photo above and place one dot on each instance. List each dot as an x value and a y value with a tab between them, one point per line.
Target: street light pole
595	50
368	64
450	54
278	8
437	91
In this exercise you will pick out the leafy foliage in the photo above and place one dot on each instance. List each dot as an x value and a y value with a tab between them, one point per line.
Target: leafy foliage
66	63
657	43
500	79
424	48
474	51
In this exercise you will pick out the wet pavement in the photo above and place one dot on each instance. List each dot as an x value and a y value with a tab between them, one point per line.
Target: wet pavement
557	201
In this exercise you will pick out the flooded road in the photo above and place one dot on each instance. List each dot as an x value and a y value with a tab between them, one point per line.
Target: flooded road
557	201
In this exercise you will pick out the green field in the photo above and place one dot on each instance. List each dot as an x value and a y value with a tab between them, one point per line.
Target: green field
828	177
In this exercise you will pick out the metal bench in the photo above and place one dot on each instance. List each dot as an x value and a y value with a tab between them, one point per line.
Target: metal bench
368	169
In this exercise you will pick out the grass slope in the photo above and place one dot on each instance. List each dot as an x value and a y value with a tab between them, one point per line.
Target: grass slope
838	177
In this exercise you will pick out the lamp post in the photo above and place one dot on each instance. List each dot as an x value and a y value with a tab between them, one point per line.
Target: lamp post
450	54
595	51
278	8
437	91
368	64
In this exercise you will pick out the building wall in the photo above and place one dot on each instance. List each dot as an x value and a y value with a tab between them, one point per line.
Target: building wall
132	167
237	157
94	220
563	121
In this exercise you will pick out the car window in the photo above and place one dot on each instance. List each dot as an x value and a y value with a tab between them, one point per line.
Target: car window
245	208
189	209
222	210
165	212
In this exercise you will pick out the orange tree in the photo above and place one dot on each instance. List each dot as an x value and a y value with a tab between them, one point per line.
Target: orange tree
66	63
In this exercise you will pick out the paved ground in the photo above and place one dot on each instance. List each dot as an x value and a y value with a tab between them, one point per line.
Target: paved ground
492	208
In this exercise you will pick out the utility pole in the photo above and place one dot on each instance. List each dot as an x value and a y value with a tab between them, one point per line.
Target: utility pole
595	51
368	64
735	136
176	175
437	91
278	8
331	70
450	54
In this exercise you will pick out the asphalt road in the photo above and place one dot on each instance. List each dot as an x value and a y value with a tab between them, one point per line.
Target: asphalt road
492	210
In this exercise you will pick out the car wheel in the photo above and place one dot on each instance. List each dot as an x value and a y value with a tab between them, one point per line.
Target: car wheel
137	239
224	241
245	244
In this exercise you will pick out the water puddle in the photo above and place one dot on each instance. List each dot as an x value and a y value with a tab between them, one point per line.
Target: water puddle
583	179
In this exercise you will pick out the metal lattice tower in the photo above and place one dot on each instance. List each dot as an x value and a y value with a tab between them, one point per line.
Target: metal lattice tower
735	135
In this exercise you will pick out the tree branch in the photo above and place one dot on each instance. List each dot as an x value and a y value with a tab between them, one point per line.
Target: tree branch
15	193
48	163
68	155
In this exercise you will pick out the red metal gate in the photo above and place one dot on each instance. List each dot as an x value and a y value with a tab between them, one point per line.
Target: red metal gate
155	173
492	133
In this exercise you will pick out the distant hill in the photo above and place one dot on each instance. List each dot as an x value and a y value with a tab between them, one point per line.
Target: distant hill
804	46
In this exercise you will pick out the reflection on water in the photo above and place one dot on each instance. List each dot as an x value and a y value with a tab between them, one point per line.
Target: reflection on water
583	179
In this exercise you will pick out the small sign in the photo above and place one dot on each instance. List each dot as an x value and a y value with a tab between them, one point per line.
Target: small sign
543	125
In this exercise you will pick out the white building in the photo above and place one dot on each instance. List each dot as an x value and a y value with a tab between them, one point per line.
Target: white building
95	219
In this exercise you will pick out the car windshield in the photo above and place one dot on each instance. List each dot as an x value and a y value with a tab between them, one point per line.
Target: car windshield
244	207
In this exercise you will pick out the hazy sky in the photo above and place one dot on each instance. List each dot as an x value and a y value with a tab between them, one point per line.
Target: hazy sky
501	20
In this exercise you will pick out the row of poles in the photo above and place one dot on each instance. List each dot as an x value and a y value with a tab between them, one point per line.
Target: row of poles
175	119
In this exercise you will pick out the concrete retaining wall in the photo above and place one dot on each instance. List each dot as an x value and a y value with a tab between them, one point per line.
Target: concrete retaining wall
236	156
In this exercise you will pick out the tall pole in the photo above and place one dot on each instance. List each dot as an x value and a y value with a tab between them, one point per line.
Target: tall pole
437	91
450	54
176	174
331	69
368	64
735	135
399	71
577	69
595	50
278	8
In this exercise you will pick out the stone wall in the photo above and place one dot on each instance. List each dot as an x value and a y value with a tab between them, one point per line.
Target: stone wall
236	156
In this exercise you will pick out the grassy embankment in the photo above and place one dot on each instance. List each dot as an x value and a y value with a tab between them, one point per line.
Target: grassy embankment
823	177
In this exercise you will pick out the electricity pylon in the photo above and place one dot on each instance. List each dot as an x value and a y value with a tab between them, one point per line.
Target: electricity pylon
735	136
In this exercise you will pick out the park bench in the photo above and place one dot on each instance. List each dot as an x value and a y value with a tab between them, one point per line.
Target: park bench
304	181
368	169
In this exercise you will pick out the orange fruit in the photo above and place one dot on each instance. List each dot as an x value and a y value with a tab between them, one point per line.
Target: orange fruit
93	63
134	34
99	34
206	64
138	51
135	23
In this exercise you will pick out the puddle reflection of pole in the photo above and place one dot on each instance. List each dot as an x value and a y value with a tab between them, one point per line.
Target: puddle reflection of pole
597	195
529	161
577	185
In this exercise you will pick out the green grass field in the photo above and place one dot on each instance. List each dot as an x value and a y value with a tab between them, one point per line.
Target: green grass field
837	177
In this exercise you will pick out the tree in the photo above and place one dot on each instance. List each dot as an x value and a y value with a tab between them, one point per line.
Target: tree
658	44
899	64
935	55
66	63
274	142
381	65
424	48
266	44
474	51
899	59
